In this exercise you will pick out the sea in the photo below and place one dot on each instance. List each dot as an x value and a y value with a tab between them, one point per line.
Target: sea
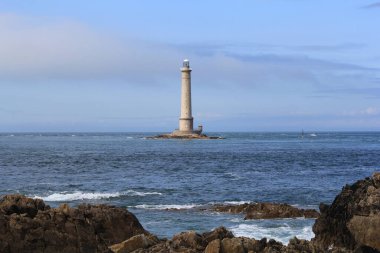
169	184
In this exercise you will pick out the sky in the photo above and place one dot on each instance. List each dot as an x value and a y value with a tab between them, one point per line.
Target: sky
258	65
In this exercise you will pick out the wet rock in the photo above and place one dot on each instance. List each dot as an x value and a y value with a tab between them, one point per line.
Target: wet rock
272	211
28	225
136	242
352	221
267	210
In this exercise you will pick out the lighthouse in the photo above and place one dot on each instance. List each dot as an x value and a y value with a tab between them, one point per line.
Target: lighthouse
186	117
185	130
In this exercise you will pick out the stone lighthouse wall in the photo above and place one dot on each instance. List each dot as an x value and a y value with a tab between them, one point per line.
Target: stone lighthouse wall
186	119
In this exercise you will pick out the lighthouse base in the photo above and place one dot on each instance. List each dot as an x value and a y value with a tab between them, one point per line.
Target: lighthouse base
184	136
189	135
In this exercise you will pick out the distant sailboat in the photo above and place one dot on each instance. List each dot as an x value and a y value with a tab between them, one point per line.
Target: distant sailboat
302	134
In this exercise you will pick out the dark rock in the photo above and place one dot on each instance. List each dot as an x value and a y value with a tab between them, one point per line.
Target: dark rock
352	221
18	204
267	210
218	233
28	225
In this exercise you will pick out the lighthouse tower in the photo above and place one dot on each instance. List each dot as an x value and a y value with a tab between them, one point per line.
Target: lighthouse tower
186	118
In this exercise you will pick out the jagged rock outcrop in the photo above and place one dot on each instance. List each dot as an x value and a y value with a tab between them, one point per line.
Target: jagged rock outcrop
267	210
352	221
136	242
219	240
28	225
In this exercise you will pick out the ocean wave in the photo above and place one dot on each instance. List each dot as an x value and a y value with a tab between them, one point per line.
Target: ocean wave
236	202
282	233
79	195
137	193
164	207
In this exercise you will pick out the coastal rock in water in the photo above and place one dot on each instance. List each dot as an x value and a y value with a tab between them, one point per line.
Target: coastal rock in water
28	225
352	221
267	211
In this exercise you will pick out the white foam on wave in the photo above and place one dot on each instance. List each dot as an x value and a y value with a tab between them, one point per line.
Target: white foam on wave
79	195
237	202
233	176
137	193
316	207
164	207
281	233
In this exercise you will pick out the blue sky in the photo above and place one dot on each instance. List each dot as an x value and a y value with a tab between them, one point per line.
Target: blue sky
260	65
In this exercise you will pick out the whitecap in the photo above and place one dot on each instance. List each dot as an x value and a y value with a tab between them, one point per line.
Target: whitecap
164	207
234	176
137	193
235	220
237	202
79	195
282	233
313	135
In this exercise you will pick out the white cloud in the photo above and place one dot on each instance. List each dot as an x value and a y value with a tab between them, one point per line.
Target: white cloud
38	49
369	111
35	49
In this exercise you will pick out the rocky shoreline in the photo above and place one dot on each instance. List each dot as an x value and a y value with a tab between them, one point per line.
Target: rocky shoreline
350	224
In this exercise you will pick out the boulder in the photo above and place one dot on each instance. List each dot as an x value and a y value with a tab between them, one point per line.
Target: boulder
352	221
19	204
28	225
187	240
213	247
229	245
141	241
218	233
273	211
